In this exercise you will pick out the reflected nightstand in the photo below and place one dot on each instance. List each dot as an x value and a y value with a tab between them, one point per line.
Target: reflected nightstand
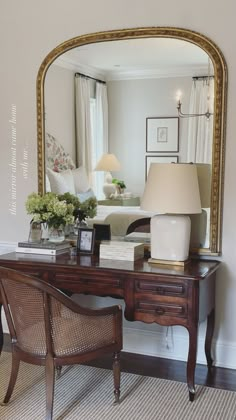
121	201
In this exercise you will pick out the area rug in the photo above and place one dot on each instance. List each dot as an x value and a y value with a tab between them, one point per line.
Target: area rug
86	393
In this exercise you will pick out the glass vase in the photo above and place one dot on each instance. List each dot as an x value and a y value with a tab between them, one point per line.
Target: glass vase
35	233
56	234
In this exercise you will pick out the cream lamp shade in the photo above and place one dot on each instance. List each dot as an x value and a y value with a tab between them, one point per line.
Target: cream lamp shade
171	191
107	163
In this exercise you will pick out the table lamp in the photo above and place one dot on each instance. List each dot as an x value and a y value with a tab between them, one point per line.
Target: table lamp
107	163
171	191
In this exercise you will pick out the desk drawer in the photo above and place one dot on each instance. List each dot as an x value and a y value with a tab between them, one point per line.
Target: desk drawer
162	308
88	279
161	288
89	283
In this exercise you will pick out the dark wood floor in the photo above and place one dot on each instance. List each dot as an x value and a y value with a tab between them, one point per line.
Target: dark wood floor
165	368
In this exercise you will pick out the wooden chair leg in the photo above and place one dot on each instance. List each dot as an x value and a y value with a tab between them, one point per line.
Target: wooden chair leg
14	372
50	381
116	376
58	370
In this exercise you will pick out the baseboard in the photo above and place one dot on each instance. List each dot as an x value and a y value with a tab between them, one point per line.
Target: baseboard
154	344
175	347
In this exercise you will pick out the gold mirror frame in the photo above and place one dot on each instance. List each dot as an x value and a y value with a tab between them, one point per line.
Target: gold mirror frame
220	72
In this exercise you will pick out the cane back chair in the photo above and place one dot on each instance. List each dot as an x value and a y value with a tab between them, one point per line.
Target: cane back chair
48	328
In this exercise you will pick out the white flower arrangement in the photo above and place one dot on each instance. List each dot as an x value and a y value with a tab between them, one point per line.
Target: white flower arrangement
49	209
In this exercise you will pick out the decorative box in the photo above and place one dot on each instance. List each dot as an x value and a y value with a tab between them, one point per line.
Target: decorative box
118	250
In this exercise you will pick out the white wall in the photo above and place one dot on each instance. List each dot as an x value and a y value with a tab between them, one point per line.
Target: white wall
28	31
130	102
60	107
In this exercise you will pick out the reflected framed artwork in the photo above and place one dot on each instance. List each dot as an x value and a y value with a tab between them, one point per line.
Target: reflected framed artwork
86	240
158	159
162	134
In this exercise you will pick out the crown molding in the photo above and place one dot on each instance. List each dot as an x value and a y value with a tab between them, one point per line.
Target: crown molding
116	75
157	73
66	63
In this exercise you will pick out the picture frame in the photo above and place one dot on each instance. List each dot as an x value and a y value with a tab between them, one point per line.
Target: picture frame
158	159
162	134
102	232
86	240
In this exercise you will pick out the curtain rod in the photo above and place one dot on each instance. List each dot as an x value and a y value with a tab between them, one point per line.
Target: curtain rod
202	77
90	77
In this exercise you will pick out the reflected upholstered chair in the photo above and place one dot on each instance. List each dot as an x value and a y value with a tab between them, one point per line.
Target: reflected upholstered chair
139	225
48	328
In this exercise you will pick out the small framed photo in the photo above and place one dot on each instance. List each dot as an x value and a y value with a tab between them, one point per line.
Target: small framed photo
86	240
159	159
162	134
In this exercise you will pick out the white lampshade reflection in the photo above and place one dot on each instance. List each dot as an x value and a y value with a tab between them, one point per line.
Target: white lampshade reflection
108	162
204	181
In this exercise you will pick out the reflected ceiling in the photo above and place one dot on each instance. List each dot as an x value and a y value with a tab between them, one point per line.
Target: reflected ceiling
135	58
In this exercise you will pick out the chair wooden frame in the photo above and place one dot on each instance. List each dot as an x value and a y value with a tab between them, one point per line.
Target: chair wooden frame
139	225
50	360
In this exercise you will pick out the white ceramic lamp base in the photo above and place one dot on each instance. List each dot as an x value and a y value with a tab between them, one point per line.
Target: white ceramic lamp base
170	237
108	187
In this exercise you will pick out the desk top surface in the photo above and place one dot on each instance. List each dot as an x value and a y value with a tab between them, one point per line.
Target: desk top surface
195	269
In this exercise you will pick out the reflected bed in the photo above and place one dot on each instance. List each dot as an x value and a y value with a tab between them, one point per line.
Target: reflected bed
118	217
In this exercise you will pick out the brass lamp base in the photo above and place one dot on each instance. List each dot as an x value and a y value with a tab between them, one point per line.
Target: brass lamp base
169	262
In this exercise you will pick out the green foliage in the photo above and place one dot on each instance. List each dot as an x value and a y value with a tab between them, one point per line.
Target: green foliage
119	182
71	199
59	210
87	208
49	209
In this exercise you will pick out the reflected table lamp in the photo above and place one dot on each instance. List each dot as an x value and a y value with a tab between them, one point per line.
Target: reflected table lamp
172	192
107	163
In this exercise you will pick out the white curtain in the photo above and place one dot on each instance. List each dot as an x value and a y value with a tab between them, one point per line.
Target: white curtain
83	125
100	135
200	129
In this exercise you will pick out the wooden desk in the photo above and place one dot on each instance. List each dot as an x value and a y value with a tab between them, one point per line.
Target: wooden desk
152	293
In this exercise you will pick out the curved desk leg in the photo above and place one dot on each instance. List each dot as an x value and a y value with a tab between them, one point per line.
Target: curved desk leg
1	330
191	363
209	335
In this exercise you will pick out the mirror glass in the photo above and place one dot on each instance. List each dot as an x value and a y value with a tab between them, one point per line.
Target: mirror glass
144	79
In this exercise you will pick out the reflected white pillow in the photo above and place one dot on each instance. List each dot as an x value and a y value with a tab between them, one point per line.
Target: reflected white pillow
61	182
86	195
81	181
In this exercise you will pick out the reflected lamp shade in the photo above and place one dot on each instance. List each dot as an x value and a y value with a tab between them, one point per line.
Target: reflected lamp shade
172	192
204	181
200	223
107	163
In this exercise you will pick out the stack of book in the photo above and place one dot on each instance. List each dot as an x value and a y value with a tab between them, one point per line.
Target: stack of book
43	248
118	250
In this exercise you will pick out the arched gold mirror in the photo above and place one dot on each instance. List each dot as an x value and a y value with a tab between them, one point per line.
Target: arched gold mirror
148	52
